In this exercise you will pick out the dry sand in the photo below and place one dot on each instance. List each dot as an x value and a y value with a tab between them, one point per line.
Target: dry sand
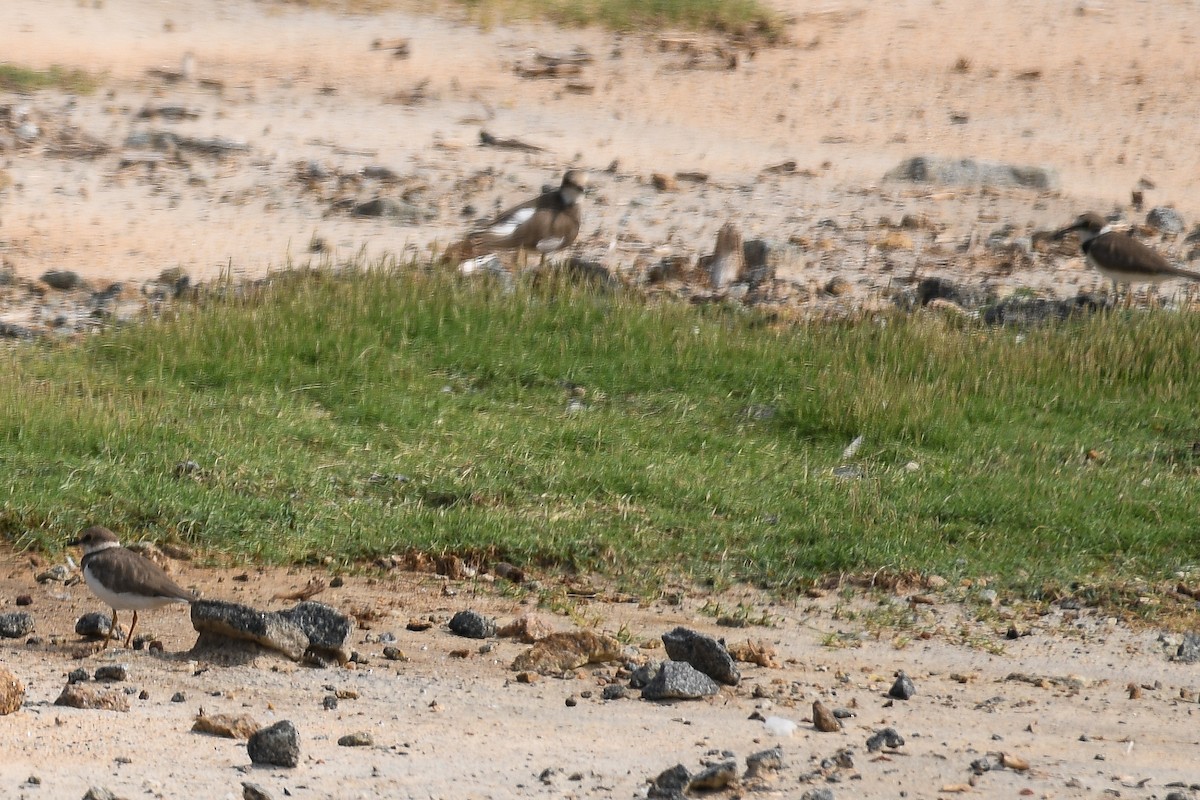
863	86
1099	92
447	726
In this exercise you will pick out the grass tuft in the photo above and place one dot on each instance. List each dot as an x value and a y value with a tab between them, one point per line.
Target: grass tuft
737	17
16	78
387	410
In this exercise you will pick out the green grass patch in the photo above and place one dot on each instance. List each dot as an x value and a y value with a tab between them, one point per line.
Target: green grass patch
385	410
16	78
739	17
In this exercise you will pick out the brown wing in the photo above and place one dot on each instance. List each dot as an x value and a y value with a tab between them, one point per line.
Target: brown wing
1123	253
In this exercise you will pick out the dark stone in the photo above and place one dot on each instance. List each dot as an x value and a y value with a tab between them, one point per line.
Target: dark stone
714	778
252	791
670	783
817	794
327	628
1165	219
677	680
179	697
472	625
79	675
704	653
95	625
15	624
1028	311
112	672
614	691
930	289
888	737
359	739
239	622
903	688
644	674
9	330
24	600
756	253
329	702
277	745
968	172
100	793
62	279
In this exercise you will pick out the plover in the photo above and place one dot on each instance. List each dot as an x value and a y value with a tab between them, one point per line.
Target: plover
1118	256
544	224
124	579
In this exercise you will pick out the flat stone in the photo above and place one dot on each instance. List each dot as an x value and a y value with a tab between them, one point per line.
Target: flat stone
16	624
357	739
968	172
562	652
677	680
704	653
62	279
239	622
229	726
81	695
277	745
112	673
12	692
252	791
888	737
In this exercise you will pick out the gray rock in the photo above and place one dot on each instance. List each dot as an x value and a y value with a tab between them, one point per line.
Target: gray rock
614	691
357	739
670	783
644	674
62	279
112	672
277	745
95	625
888	737
677	680
100	793
15	624
327	628
78	675
58	574
9	330
759	268
817	794
1027	311
239	622
714	778
968	172
1165	219
764	761
252	791
1189	649
388	208
704	653
903	688
472	625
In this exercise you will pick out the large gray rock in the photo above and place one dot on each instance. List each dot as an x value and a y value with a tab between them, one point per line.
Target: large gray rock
968	172
16	624
677	680
704	653
327	628
1165	219
239	622
278	745
472	625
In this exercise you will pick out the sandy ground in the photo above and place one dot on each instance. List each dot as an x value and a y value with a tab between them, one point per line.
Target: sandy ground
447	726
1099	92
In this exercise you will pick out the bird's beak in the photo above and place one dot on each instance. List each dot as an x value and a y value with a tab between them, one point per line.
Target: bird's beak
1061	232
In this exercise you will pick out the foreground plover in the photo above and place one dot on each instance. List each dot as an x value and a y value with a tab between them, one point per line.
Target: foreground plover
544	224
1118	256
124	579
